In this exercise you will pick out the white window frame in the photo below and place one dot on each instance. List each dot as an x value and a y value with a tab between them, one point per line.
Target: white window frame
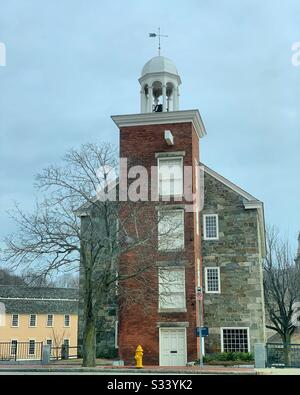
235	327
12	321
51	346
206	280
13	340
165	159
50	326
32	326
31	340
204	226
172	309
67	326
162	212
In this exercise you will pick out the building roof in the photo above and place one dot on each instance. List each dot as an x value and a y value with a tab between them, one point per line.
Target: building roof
249	202
159	64
39	300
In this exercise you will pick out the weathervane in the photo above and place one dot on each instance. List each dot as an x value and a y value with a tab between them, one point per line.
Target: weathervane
159	36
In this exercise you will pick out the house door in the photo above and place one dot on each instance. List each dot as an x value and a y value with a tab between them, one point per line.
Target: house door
172	346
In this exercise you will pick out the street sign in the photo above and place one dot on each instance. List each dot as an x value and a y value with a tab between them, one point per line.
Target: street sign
204	331
199	296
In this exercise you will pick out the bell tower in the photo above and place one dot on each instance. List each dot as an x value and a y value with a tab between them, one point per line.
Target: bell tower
160	83
165	138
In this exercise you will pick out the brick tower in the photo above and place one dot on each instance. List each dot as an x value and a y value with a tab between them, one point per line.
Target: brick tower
167	139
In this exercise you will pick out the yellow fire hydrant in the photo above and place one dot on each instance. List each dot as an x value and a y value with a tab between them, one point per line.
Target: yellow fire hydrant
138	357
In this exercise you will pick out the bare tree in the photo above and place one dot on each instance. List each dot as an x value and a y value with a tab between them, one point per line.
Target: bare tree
74	223
281	288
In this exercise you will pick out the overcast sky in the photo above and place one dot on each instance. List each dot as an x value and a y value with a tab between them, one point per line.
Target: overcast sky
71	64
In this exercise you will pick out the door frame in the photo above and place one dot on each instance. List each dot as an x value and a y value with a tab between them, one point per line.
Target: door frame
160	344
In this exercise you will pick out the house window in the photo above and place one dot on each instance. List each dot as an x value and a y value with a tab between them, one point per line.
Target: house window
32	320
211	226
50	320
170	172
31	349
171	230
235	339
172	288
67	320
13	347
15	320
212	280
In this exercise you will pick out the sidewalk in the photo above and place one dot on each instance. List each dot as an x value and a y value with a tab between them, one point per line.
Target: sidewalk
220	370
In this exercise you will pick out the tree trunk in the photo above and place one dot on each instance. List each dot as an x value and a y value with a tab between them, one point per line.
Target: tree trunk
89	330
287	350
89	344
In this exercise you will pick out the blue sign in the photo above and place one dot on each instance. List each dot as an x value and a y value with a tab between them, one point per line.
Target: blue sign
204	331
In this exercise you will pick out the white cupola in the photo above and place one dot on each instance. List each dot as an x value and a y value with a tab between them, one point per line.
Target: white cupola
159	86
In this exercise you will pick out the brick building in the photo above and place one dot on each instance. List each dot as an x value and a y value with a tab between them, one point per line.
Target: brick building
208	269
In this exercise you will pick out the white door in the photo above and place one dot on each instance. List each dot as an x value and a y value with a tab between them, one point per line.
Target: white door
172	346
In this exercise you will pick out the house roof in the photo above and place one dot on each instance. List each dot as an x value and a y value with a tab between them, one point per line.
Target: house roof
38	300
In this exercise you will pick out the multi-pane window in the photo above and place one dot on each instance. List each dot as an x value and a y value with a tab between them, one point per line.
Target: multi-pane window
172	288
212	280
31	349
170	172
13	347
32	320
67	320
50	320
210	226
15	320
235	340
171	230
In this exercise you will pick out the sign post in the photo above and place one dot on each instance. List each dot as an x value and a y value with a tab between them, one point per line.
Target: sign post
199	297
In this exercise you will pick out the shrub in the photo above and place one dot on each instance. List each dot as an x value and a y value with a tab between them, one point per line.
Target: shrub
229	356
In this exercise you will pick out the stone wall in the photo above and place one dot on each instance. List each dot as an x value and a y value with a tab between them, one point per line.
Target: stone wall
237	253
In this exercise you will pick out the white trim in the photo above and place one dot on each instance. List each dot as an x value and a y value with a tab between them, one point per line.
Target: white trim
50	299
204	226
50	326
166	159
67	326
160	118
32	326
230	184
235	327
11	322
172	328
206	281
